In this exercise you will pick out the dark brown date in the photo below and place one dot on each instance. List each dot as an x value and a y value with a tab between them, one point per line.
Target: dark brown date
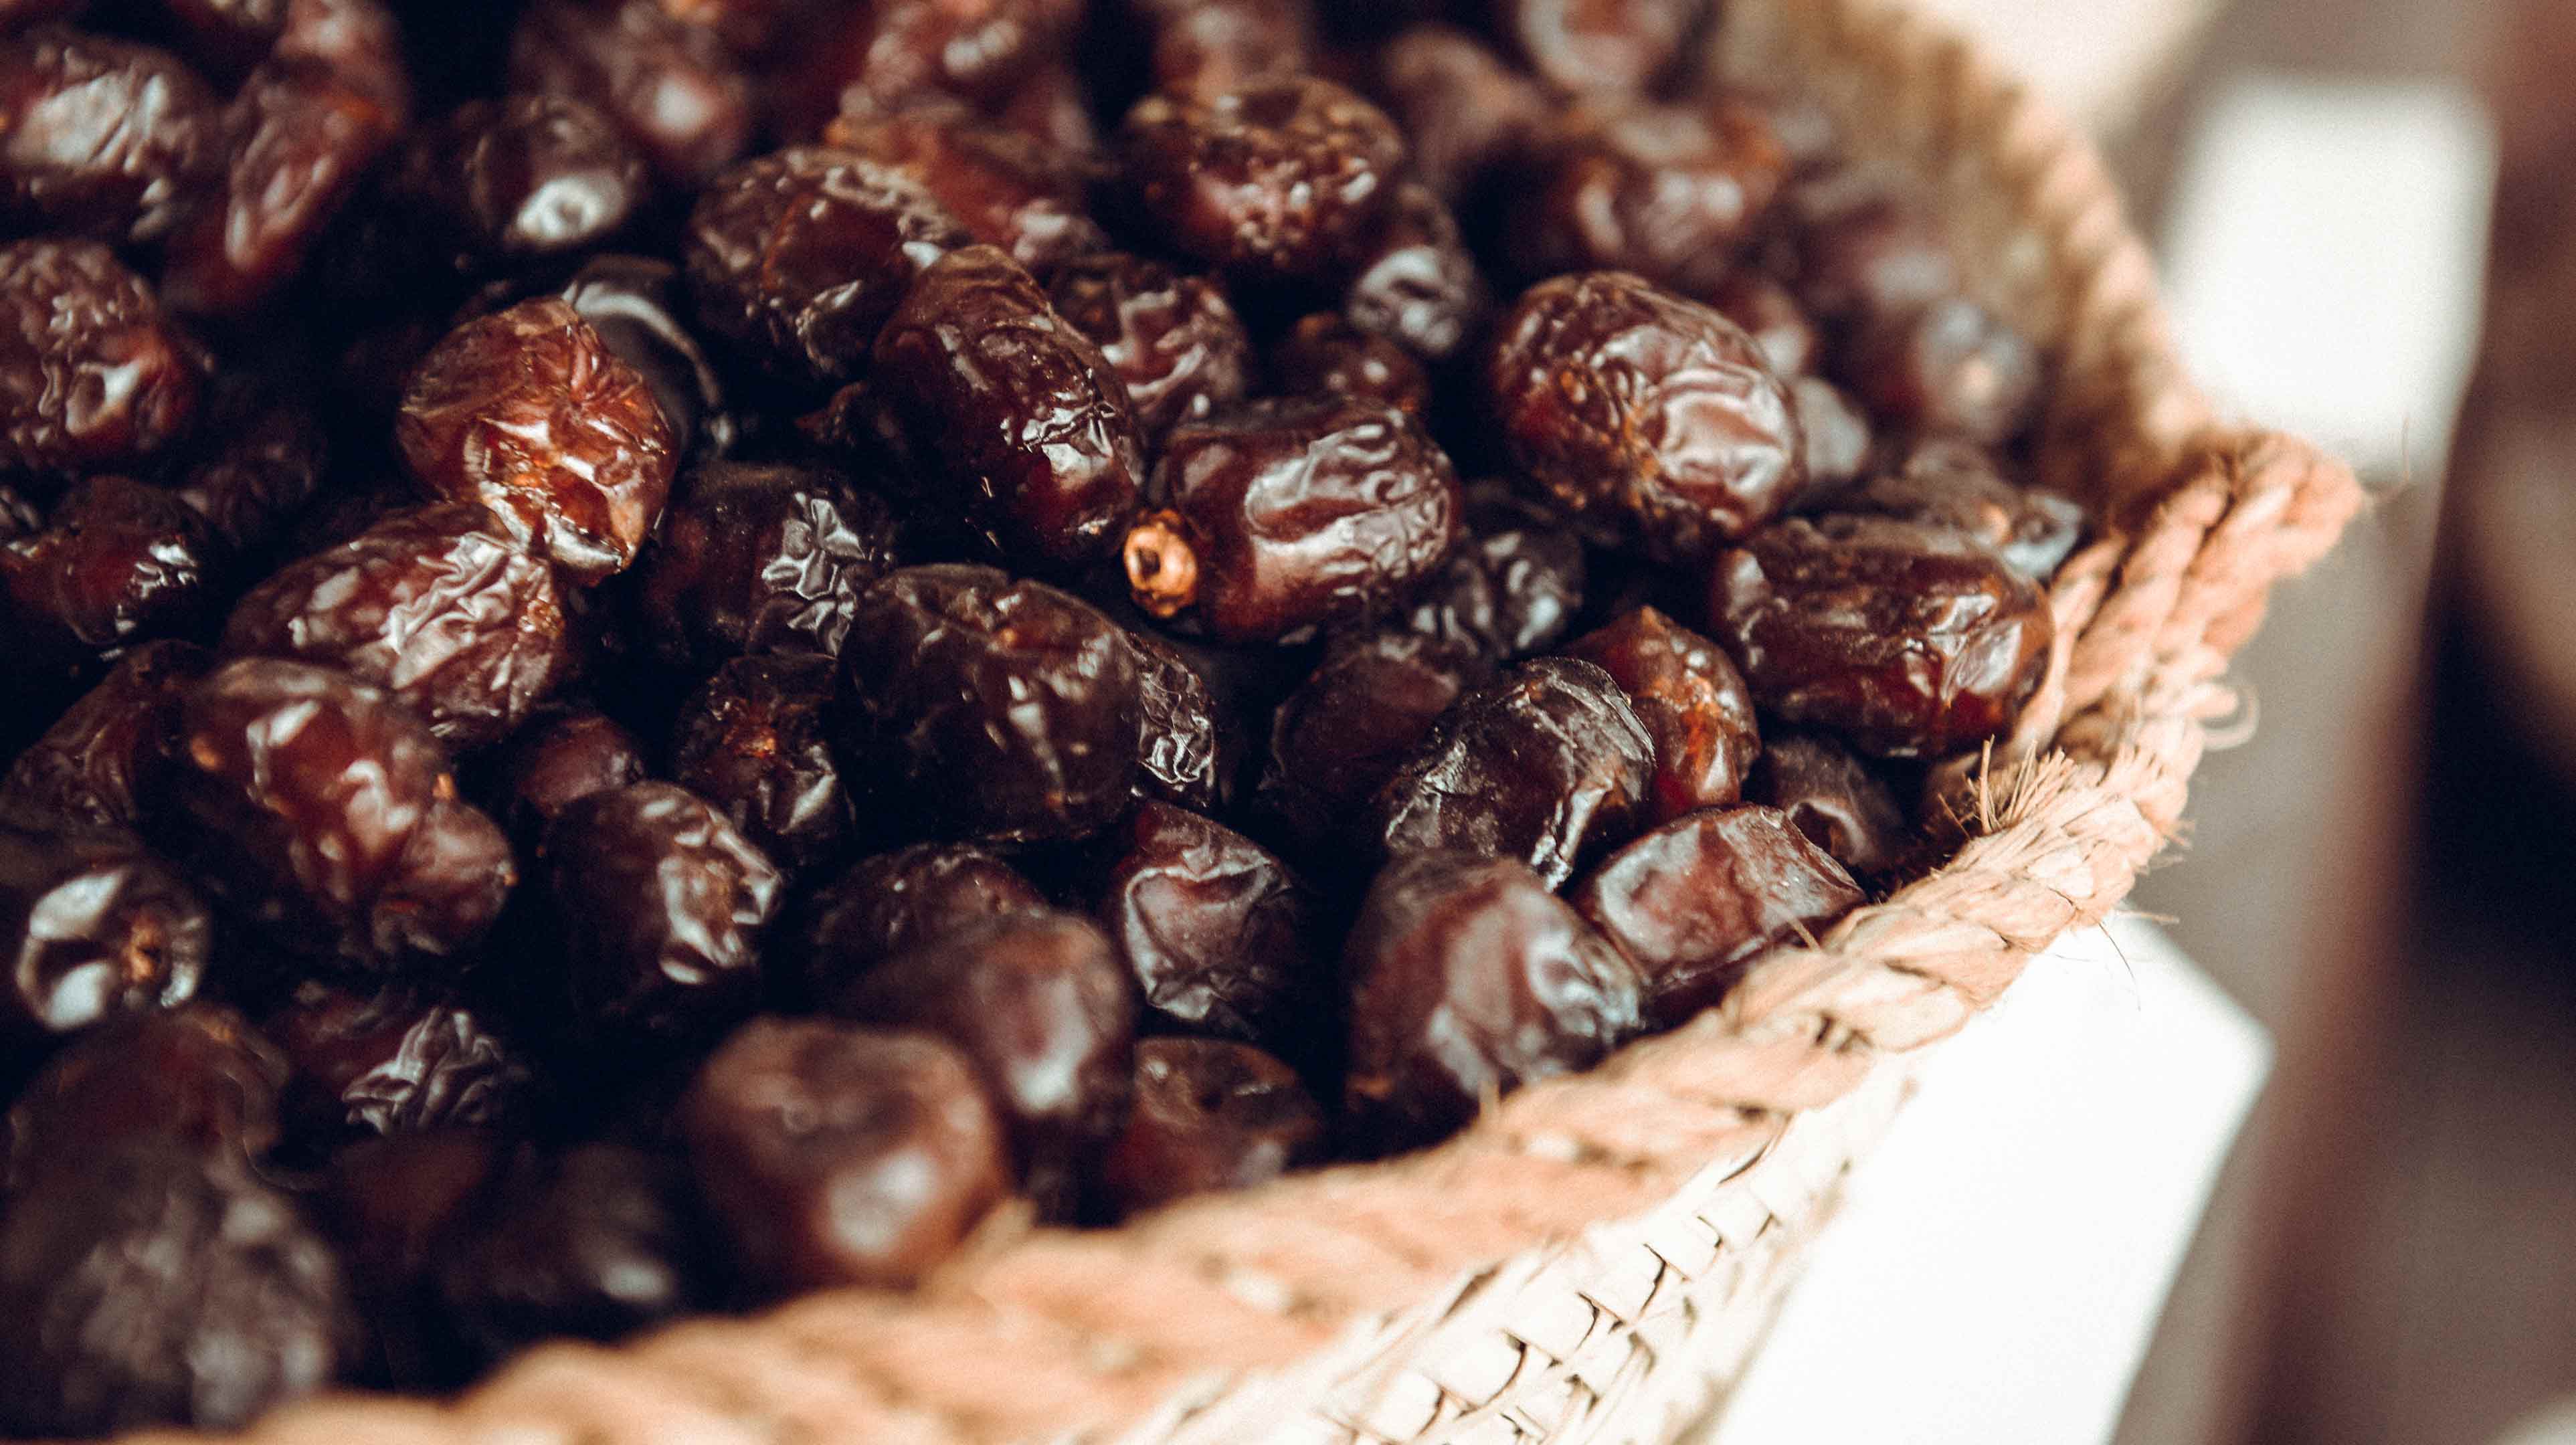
438	606
1643	413
596	1242
1469	978
670	85
1873	256
1953	483
151	1285
118	561
1670	192
1547	765
197	1077
258	462
1276	178
1280	517
1007	189
1325	355
1463	107
1006	413
93	375
528	412
88	767
1906	639
753	743
635	304
100	138
895	903
92	927
1770	314
1343	733
990	708
1174	340
1413	280
392	1061
797	258
1038	1001
554	764
835	1155
324	810
1220	935
1691	699
899	50
1832	796
392	1203
301	137
499	185
1621	46
1951	367
1209	1115
760	559
662	902
1692	902
1513	586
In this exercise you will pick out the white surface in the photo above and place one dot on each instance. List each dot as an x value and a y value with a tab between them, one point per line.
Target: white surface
2324	256
2000	1261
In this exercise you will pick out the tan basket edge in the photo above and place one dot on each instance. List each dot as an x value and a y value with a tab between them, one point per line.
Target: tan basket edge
1336	1303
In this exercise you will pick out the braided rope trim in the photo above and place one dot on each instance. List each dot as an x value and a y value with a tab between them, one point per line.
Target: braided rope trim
1596	1255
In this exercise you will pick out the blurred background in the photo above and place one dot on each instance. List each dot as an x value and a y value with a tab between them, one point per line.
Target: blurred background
2366	213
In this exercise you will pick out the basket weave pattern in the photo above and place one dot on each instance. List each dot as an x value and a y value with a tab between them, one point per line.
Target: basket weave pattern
1597	1256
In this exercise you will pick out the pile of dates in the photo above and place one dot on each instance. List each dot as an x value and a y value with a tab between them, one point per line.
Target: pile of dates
674	651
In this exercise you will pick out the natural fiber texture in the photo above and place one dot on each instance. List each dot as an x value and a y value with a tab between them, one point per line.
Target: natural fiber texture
1598	1255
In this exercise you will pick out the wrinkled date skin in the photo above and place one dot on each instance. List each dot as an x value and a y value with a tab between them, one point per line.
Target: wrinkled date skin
117	562
1325	355
1547	765
1007	413
1953	483
753	743
1602	45
93	926
554	764
1220	935
1833	798
503	184
662	902
1951	367
761	559
1040	1004
1173	339
1512	588
897	51
1414	281
196	1076
302	137
635	304
835	1155
1670	193
1907	640
597	1242
1209	1114
324	809
1642	412
1272	179
1180	756
93	374
1279	517
1692	902
394	1061
897	902
1008	189
670	85
797	258
101	139
989	707
1354	721
151	1285
1691	699
88	767
529	412
439	607
1468	979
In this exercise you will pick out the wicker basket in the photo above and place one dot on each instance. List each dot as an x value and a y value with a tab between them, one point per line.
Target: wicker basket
1598	1256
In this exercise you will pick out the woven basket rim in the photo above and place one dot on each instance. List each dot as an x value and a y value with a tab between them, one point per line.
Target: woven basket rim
1152	1328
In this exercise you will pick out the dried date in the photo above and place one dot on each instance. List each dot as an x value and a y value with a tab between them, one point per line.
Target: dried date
1830	795
670	85
753	743
1007	189
1209	1115
101	138
1220	935
93	926
1173	339
761	559
1693	703
93	374
1272	179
